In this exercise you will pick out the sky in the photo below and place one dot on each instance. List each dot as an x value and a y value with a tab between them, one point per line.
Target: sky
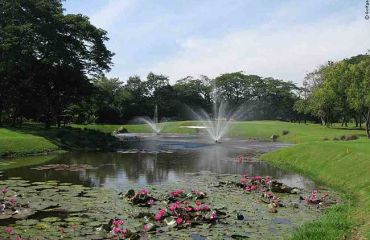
283	39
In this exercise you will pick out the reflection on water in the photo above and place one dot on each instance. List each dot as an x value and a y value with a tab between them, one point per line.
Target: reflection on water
118	170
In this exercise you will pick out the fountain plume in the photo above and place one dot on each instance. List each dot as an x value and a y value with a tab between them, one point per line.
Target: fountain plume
154	124
219	123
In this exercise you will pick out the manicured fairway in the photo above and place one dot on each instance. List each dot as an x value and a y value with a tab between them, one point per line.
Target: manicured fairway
15	142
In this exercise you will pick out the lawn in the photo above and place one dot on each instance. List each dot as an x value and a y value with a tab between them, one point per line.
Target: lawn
20	143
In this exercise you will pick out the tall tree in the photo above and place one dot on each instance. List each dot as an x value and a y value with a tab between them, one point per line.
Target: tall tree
49	54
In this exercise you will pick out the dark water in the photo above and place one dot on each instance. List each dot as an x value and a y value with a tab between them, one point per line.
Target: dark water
162	159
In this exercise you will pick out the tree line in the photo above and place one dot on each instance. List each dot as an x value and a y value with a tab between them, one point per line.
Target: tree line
338	92
52	67
114	101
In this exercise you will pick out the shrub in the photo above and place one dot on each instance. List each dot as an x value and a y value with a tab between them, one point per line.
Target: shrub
351	137
285	132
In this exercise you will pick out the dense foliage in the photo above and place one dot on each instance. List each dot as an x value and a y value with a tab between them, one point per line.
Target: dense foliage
46	57
117	102
339	92
52	68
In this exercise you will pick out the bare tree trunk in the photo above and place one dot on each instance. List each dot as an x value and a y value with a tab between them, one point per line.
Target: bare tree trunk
368	124
1	113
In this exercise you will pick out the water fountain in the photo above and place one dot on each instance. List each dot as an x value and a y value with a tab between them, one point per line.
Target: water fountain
153	123
219	123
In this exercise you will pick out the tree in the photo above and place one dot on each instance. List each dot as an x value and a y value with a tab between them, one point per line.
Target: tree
47	56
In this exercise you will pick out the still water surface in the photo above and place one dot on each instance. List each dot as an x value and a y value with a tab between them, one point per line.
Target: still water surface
160	159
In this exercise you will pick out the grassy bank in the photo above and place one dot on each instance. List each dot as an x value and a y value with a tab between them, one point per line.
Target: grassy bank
21	143
33	139
342	165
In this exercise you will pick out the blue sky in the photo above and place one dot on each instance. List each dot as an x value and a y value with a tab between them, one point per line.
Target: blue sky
283	39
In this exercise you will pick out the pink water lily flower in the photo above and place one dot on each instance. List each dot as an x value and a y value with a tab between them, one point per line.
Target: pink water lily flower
214	216
8	230
13	201
177	193
118	222
243	180
5	190
205	208
158	216
18	238
116	230
144	191
179	221
147	227
174	206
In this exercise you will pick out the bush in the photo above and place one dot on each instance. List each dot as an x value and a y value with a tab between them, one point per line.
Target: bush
351	137
285	132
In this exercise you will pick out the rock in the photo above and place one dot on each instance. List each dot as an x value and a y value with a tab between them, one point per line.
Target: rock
240	216
274	137
295	191
272	208
280	187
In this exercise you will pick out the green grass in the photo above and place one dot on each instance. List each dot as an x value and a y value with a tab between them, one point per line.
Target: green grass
343	165
298	133
14	142
35	139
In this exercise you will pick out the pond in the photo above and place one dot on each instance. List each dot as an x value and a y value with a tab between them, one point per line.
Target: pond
82	189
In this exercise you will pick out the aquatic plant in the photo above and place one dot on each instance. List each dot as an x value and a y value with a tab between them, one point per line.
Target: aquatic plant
141	198
313	198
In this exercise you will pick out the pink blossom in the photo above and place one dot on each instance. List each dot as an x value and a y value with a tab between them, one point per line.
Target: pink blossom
177	193
18	238
205	208
243	180
5	190
174	206
144	191
124	232
198	203
147	227
116	230
253	187
247	188
13	200
188	209
8	230
258	178
179	220
118	222
214	216
158	216
151	202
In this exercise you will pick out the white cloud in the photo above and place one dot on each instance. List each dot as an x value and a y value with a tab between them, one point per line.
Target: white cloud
285	53
111	13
